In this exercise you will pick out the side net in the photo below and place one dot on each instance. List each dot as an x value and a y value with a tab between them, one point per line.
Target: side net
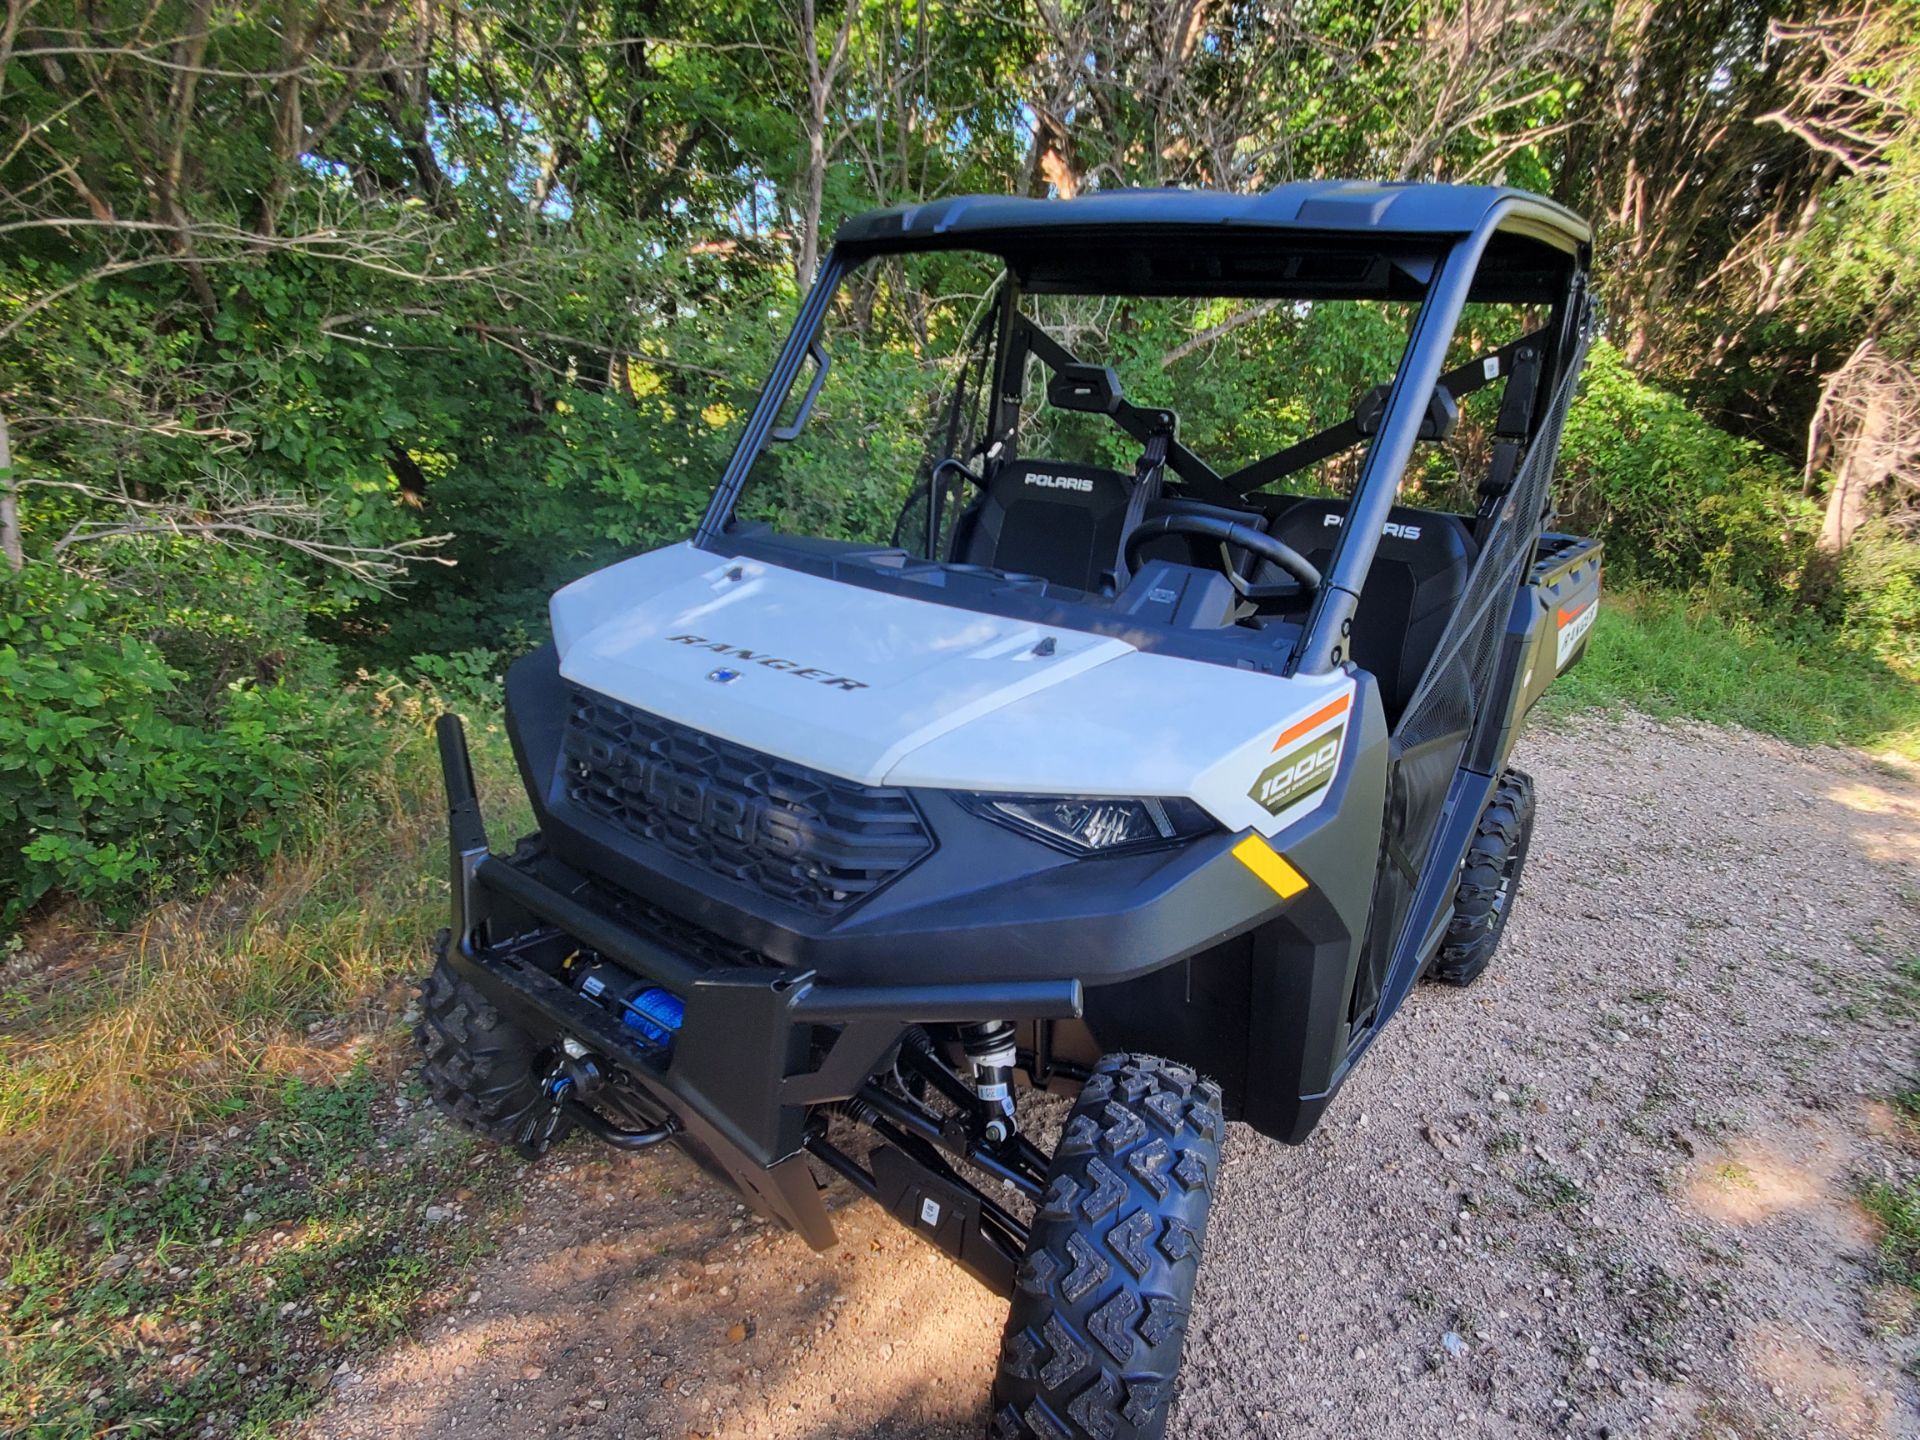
1462	671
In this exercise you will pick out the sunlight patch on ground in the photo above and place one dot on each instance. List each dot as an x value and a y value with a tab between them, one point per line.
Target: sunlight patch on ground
1749	1183
1894	834
918	1307
1807	1378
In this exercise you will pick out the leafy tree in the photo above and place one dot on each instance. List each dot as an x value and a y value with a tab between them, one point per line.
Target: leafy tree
301	301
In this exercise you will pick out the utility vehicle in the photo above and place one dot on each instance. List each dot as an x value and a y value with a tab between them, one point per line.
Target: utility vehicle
1081	755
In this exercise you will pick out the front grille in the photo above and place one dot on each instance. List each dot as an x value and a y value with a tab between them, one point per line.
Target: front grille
813	840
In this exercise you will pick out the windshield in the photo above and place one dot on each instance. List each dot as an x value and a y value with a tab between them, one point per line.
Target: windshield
1165	434
913	343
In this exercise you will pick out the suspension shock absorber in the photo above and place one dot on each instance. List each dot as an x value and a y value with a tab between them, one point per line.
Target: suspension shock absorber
989	1047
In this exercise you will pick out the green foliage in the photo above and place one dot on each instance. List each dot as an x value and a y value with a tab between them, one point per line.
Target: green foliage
463	681
1860	256
1879	595
849	473
118	776
1679	502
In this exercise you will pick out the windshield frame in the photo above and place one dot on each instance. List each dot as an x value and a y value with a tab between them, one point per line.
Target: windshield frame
1455	276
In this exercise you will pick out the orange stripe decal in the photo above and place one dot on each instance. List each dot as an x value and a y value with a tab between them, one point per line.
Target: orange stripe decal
1567	617
1319	717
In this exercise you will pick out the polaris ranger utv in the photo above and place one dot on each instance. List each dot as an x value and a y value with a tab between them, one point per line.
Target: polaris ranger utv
1072	758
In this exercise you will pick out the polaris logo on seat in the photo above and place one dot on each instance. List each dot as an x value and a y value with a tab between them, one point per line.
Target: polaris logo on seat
1393	529
1307	767
1060	482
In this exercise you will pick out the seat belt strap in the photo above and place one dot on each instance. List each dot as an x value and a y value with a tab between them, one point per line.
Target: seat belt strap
1510	428
1324	444
1146	488
1140	424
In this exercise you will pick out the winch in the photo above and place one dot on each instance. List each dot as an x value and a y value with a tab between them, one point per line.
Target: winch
650	1012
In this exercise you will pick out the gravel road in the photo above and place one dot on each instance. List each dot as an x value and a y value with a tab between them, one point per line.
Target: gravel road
1605	1192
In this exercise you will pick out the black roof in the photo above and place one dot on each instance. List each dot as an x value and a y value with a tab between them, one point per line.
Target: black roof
1307	206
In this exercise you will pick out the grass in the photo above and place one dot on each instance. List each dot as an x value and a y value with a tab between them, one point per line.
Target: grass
212	1193
1895	1204
113	1041
1549	1187
1654	1303
219	1292
1673	658
1897	1208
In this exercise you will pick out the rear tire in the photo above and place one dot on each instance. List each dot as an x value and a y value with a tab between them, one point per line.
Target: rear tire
480	1068
1489	882
1100	1303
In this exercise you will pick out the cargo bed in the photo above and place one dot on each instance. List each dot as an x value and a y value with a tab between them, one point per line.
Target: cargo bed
1548	631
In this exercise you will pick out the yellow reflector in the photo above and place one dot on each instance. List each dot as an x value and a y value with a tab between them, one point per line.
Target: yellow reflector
1270	866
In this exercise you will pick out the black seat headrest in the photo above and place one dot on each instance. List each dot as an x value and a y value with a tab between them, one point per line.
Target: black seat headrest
1418	578
1051	518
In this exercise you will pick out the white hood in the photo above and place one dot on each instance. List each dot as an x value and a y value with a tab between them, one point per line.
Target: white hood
883	689
840	678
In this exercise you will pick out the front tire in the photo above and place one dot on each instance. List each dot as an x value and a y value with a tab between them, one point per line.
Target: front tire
1489	882
1100	1303
481	1069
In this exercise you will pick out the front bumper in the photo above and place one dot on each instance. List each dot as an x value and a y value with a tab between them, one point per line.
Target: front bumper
1185	953
760	1044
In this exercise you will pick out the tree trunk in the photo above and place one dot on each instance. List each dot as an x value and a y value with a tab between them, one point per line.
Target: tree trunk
9	505
1862	463
821	77
813	194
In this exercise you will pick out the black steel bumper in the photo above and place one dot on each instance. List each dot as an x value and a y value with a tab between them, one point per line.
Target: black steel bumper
759	1044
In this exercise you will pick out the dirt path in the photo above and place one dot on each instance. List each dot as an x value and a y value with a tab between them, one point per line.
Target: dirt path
1606	1192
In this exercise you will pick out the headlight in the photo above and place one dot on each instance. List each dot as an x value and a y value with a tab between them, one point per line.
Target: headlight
1095	825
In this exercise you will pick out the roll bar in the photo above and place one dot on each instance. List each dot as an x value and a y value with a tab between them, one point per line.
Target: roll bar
766	409
1323	644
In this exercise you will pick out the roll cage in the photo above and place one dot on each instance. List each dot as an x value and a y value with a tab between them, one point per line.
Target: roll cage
1440	246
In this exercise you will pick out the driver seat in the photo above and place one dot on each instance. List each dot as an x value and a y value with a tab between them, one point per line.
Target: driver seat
1418	579
1052	518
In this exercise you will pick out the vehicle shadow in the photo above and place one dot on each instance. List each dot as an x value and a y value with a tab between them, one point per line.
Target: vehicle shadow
635	1298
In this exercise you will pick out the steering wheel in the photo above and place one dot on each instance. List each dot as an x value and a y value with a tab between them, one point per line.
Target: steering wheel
1229	532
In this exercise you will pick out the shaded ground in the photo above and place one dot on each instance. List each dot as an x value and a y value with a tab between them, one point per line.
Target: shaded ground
1608	1191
